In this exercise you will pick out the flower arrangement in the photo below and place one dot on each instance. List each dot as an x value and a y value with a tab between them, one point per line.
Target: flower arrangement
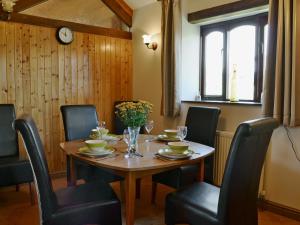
134	114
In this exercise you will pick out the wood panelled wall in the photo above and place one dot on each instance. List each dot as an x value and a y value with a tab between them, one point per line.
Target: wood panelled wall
38	75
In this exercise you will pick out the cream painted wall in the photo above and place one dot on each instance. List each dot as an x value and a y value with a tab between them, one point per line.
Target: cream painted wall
282	169
147	63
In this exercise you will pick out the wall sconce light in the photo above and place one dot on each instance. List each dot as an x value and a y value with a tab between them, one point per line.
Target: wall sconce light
149	43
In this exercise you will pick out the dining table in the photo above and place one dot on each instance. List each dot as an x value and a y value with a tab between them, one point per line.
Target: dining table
136	167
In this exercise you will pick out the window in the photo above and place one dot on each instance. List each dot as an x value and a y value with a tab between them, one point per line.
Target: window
235	45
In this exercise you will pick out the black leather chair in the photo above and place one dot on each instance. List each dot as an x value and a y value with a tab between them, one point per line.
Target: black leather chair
235	203
14	169
91	203
78	122
202	124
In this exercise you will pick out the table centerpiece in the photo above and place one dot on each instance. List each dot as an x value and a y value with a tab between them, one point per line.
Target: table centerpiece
134	115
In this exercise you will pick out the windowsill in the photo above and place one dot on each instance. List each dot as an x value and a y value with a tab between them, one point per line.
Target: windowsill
223	102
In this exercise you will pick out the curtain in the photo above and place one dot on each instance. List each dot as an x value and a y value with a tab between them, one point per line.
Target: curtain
171	58
281	80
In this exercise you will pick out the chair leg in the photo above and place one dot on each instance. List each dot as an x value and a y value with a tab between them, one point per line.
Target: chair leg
122	190
17	188
153	193
31	194
138	188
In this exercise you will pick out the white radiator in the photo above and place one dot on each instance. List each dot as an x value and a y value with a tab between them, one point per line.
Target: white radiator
223	142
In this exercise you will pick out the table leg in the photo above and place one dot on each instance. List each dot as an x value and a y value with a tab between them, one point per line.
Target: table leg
130	188
73	177
201	174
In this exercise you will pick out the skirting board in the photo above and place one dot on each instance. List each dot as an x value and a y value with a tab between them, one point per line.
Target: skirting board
279	209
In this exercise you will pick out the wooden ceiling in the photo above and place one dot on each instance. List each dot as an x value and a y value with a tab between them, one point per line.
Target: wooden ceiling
75	10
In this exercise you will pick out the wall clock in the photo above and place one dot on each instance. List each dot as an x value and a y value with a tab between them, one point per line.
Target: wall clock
65	35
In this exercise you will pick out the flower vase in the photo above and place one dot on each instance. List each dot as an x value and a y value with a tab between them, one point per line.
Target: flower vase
133	136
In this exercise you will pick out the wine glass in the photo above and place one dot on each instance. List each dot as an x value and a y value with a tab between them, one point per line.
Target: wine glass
102	124
148	127
182	132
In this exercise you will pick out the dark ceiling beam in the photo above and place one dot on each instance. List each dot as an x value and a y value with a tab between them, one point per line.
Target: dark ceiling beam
121	9
225	9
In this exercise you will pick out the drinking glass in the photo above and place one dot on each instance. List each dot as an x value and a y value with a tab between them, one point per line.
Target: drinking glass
182	132
148	127
100	127
102	124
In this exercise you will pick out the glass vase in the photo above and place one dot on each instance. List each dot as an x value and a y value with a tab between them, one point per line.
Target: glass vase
133	136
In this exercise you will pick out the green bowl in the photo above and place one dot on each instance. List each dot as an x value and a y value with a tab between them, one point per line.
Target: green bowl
171	133
179	146
96	144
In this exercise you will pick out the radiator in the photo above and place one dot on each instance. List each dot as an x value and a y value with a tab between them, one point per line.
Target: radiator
223	142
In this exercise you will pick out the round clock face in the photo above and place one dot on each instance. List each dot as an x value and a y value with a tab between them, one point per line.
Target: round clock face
65	35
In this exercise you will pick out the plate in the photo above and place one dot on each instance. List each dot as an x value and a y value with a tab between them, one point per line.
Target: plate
111	137
163	137
173	154
108	137
85	151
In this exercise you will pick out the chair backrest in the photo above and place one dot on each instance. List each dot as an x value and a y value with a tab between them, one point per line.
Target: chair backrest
202	124
79	120
34	147
118	126
239	190
8	135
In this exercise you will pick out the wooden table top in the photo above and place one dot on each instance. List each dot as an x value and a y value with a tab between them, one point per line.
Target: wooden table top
148	149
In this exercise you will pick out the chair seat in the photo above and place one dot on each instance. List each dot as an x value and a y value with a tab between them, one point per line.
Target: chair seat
179	177
91	173
196	204
15	170
87	204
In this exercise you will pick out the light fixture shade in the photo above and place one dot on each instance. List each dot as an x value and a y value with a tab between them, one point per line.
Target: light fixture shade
147	39
8	5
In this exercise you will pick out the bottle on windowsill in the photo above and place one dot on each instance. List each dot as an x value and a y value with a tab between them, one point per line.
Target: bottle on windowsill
198	96
234	85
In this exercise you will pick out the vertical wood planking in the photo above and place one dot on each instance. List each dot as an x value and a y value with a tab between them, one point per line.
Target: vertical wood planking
18	69
38	75
85	68
91	68
107	100
80	87
102	94
10	63
48	92
68	75
3	80
40	84
26	69
33	75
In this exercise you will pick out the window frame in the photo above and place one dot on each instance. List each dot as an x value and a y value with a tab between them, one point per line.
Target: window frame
259	21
